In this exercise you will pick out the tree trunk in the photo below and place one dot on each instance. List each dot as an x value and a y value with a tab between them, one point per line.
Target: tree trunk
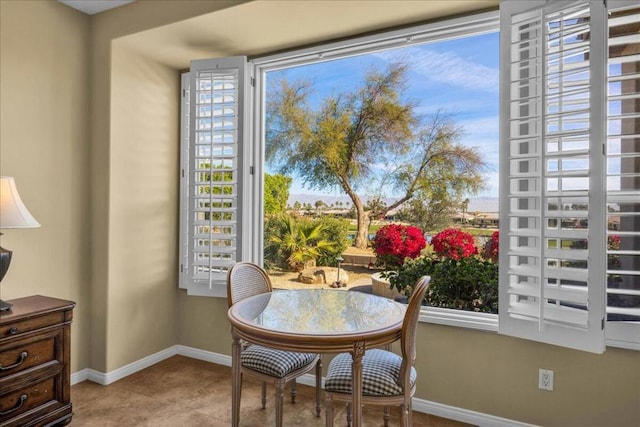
363	226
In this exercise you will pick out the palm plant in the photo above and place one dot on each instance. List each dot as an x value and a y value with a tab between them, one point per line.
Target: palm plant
301	242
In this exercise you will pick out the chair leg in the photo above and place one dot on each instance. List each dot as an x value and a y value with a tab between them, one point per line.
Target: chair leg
386	416
294	391
410	412
264	394
279	399
349	415
328	410
404	410
318	386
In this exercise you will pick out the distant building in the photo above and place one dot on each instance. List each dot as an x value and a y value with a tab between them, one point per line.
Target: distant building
487	219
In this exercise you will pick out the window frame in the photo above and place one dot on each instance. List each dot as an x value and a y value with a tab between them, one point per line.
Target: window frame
442	30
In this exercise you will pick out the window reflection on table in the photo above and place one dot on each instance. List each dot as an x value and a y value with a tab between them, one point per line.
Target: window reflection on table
321	311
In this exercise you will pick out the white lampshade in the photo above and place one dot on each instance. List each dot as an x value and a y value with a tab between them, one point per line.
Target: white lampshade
13	213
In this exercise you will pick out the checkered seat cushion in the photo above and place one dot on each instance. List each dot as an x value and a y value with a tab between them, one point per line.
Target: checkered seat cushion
380	374
276	363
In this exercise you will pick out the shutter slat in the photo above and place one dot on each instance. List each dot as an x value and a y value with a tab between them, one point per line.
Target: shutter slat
578	255
557	314
580	275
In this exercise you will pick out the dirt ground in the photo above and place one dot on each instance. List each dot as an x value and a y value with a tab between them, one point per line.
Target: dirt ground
359	275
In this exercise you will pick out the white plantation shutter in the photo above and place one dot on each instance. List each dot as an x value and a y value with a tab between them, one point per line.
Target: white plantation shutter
623	176
552	276
212	171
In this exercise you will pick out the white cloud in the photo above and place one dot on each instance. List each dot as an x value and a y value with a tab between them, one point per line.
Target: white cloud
448	68
453	106
482	126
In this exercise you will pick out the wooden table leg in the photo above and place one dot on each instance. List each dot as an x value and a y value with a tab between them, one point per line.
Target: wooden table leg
356	381
236	386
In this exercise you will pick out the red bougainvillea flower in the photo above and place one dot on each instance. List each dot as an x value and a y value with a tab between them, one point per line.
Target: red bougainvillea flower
490	250
613	243
454	243
395	242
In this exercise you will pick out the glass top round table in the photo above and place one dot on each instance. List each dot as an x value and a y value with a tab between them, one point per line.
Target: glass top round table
315	321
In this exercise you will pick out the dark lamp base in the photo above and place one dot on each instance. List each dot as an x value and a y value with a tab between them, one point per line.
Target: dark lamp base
5	260
4	306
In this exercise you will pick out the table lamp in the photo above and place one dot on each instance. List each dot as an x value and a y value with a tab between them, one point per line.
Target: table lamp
13	214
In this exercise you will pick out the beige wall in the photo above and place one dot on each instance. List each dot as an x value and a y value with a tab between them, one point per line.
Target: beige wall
89	128
143	225
498	375
44	134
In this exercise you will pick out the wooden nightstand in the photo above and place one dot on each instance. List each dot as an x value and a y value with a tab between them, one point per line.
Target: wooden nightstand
35	375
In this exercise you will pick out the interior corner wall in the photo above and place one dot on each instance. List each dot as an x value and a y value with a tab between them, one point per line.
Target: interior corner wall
130	308
44	145
143	209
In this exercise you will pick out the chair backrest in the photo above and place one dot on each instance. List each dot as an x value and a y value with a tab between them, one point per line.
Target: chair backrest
409	328
246	279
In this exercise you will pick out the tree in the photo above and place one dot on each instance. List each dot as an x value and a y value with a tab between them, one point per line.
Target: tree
429	213
376	207
465	208
276	193
352	136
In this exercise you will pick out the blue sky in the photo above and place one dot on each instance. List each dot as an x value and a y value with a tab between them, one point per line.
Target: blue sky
459	77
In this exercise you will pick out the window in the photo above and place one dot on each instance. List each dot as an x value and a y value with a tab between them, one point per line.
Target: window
328	59
555	264
570	217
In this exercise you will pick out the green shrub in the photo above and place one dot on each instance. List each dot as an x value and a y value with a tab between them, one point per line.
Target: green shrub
469	284
334	230
406	276
274	256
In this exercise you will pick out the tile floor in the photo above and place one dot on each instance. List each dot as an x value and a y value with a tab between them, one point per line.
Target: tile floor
181	391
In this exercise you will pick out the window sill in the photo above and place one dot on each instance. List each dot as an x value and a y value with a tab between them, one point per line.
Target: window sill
464	319
617	335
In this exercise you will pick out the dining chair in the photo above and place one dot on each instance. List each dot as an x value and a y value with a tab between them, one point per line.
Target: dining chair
387	378
278	367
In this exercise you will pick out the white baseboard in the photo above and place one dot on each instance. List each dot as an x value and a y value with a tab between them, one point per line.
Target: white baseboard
419	405
113	376
207	356
80	376
464	415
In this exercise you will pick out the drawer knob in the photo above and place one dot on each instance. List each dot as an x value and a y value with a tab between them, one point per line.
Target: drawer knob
23	357
13	331
19	404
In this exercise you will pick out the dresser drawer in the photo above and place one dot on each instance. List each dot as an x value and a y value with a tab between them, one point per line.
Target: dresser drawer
22	354
39	396
8	330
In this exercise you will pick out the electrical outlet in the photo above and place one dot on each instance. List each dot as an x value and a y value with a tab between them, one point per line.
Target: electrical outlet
545	379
